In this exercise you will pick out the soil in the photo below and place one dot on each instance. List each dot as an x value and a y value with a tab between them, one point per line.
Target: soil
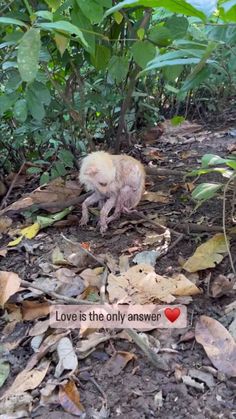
133	393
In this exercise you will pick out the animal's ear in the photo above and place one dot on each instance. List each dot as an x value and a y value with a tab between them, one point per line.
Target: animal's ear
91	171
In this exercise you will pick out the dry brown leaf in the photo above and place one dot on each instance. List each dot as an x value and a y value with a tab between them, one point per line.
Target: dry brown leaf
9	285
219	345
67	357
3	252
207	254
49	197
5	223
156	197
69	398
27	380
39	328
49	345
32	310
91	277
185	128
86	346
118	362
14	334
140	285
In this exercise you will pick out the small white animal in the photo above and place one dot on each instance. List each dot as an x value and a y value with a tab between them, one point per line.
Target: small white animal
117	181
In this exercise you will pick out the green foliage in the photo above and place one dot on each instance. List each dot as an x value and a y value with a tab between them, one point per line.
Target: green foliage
28	54
206	191
69	65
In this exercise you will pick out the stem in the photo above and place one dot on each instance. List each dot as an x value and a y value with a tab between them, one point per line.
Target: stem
132	83
28	7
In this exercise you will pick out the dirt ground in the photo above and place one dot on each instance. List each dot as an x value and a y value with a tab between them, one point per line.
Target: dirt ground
140	390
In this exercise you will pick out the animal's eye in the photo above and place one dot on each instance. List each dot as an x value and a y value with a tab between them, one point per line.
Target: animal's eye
102	184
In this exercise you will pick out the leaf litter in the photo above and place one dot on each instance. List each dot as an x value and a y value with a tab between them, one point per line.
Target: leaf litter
72	272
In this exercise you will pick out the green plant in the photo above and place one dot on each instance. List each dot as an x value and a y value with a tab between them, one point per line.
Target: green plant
76	73
211	163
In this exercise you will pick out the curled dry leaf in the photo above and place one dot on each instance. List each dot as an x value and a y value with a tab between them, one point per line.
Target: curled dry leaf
67	357
3	252
87	346
32	310
27	380
156	197
141	285
207	255
9	285
118	362
91	277
219	345
52	197
48	345
39	328
69	398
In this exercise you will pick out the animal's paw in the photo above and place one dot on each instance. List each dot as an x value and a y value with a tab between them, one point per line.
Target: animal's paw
103	228
83	221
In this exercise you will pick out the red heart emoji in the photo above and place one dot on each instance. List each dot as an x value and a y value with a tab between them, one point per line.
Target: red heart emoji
172	314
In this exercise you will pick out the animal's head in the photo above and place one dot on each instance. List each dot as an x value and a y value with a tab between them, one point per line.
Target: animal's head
98	172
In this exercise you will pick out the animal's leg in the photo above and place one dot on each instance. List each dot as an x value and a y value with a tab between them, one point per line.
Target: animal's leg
123	199
92	199
109	204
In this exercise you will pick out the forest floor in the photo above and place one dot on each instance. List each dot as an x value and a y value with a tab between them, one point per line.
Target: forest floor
126	386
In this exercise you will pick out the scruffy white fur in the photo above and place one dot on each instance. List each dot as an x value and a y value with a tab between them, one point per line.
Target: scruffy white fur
117	181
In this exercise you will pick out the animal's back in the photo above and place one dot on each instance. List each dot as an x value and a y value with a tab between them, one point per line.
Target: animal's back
131	173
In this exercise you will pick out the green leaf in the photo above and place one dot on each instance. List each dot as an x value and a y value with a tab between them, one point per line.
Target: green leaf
53	4
143	52
41	91
20	110
160	35
44	178
206	191
118	17
6	102
4	372
64	26
118	68
140	33
35	107
212	160
78	19
67	158
172	73
231	163
60	168
28	54
45	14
92	10
177	120
13	82
34	170
10	21
51	219
227	5
157	63
175	6
102	57
177	26
194	82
